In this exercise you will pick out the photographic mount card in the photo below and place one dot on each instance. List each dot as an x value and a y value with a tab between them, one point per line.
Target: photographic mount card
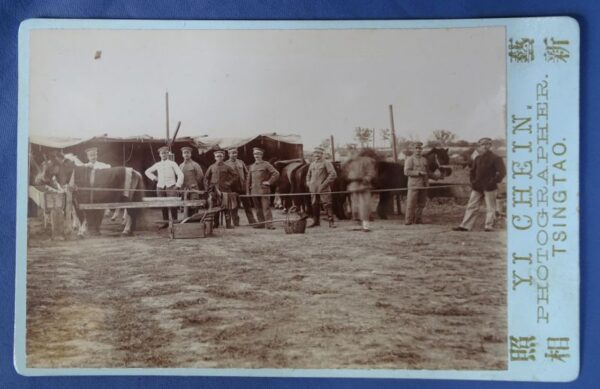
437	289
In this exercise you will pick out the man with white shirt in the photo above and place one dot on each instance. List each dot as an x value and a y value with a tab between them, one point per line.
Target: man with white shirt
92	156
168	178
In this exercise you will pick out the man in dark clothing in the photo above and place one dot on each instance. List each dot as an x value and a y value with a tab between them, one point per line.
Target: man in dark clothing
221	176
486	173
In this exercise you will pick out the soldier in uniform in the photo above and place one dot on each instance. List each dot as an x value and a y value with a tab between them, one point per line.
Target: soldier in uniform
193	176
360	171
221	176
487	171
261	176
168	178
239	187
415	168
319	178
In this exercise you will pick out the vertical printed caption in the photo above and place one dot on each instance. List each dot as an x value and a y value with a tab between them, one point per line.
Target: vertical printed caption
542	189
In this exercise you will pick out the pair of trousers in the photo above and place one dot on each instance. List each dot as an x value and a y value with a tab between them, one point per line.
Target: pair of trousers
168	192
361	204
246	203
416	199
263	209
473	207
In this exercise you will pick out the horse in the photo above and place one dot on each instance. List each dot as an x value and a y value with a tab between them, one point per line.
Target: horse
61	171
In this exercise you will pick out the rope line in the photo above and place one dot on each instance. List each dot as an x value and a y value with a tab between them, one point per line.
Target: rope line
93	189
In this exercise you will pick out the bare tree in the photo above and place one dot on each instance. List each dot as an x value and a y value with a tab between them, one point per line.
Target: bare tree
363	135
444	137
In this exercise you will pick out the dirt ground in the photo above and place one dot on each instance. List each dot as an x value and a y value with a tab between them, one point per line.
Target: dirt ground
401	297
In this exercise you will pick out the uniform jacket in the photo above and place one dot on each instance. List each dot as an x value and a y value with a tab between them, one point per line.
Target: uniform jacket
487	172
221	175
167	174
259	172
415	168
320	176
360	172
242	173
193	176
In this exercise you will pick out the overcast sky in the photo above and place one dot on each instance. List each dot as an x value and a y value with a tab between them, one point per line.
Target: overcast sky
244	82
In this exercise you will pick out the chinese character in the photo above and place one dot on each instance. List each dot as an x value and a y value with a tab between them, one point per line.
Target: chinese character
522	348
556	50
521	50
557	348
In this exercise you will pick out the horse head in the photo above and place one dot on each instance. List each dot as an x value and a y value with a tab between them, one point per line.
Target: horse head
55	171
438	160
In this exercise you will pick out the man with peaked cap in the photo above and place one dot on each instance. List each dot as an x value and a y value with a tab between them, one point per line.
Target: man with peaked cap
92	156
261	176
415	168
319	178
169	179
487	171
193	176
221	176
239	187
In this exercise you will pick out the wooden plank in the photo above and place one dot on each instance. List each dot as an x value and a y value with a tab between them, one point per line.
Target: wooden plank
143	204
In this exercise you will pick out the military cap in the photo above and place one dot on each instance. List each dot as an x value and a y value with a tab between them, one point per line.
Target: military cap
186	148
258	150
163	148
319	150
90	149
232	149
221	152
418	144
485	141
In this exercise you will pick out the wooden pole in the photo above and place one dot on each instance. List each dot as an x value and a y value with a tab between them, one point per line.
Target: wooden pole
167	117
332	148
374	131
394	146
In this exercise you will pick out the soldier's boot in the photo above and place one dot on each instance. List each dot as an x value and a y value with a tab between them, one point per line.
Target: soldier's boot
419	216
330	218
236	217
228	220
316	216
410	217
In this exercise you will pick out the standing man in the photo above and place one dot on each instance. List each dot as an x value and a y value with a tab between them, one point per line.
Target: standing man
261	176
319	178
360	171
487	172
168	178
193	176
221	176
239	187
415	168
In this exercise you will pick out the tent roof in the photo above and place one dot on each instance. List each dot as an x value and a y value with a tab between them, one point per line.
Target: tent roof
208	143
64	142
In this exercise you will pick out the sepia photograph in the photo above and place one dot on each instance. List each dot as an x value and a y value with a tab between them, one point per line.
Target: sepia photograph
267	198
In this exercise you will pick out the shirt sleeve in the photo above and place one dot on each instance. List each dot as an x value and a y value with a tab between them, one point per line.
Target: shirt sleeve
332	175
179	174
500	169
409	168
274	174
199	172
150	172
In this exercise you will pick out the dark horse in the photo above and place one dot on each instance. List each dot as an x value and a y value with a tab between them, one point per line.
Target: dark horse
292	180
121	183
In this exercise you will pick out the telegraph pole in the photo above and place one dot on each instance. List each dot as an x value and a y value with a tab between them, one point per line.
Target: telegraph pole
394	146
